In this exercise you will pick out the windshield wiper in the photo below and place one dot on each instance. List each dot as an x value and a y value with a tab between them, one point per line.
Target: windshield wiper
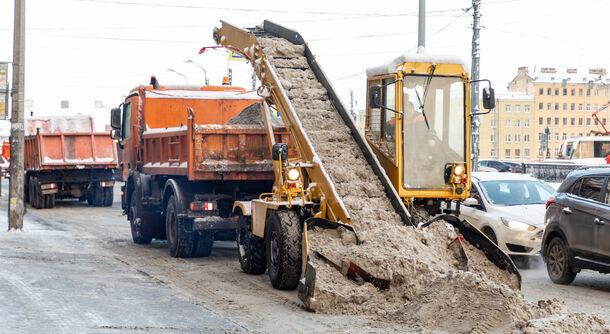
427	85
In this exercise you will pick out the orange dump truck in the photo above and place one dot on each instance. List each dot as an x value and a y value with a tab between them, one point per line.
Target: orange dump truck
65	158
184	166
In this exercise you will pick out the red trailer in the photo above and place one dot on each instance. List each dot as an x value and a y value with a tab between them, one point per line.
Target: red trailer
65	159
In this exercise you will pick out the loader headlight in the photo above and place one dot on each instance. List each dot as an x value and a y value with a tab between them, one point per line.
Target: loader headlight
517	225
293	174
459	170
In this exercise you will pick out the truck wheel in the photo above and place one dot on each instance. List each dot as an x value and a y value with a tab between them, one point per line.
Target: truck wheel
137	227
202	243
98	196
51	201
558	262
250	248
38	197
179	241
108	196
283	244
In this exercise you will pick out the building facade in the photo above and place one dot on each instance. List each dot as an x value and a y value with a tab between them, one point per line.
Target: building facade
561	104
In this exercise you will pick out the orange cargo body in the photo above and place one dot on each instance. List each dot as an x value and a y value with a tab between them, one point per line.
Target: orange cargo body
49	151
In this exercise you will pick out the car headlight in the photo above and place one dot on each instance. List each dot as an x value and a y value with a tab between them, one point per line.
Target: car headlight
459	170
517	225
293	174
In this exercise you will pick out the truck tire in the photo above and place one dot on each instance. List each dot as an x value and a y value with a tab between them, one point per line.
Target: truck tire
98	196
203	242
179	241
250	248
108	196
49	201
139	234
283	238
38	197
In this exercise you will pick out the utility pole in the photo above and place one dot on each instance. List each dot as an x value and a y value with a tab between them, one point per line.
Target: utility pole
474	93
16	188
421	27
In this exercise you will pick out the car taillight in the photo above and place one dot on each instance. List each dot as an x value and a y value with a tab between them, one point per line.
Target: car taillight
202	206
549	201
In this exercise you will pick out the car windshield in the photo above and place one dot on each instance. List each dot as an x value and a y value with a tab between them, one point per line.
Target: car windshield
517	192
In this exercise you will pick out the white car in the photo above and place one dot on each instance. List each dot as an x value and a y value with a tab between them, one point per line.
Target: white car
509	208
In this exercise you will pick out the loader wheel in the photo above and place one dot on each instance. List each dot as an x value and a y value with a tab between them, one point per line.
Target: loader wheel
138	231
108	196
202	243
179	241
558	262
283	248
250	248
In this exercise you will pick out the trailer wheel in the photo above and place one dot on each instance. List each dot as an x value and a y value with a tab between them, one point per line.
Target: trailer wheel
137	227
202	243
108	196
180	242
250	248
283	244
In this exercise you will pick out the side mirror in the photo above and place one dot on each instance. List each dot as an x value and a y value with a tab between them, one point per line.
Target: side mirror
375	97
470	202
489	99
115	118
115	134
279	151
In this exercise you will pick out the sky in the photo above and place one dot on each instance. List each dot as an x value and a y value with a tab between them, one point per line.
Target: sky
98	50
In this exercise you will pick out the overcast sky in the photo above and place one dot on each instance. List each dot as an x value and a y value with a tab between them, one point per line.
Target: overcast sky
87	50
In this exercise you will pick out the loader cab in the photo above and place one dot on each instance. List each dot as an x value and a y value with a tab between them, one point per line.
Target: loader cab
418	125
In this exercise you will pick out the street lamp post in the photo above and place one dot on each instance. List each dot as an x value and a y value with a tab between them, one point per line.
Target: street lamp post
180	74
205	74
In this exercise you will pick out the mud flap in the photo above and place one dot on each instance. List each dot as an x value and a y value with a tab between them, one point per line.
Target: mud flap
478	239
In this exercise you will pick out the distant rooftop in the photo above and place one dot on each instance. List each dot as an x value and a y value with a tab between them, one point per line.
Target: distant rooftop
570	74
515	96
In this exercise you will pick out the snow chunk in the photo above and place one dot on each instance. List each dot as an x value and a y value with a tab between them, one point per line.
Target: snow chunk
420	57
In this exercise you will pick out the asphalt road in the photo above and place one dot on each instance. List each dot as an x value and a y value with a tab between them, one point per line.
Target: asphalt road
74	269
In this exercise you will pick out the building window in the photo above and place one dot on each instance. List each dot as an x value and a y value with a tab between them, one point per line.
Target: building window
572	121
556	136
540	121
493	123
580	107
526	108
556	120
541	91
507	138
565	121
492	139
507	152
526	138
580	121
597	92
64	104
493	153
548	91
517	123
556	91
580	92
548	121
556	106
596	122
565	92
526	152
572	91
540	106
571	135
580	134
526	123
588	92
572	107
564	136
517	107
604	121
507	123
517	138
588	107
507	108
565	107
517	153
556	152
595	107
588	121
548	106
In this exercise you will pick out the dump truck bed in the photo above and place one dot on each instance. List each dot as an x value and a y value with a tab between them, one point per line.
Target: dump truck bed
49	151
210	152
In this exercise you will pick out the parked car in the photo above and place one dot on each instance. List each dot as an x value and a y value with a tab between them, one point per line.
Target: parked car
515	166
509	209
577	226
495	164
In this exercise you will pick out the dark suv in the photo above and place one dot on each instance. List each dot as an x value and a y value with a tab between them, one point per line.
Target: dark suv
577	225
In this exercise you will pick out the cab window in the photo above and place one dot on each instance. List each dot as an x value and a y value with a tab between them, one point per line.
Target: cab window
389	101
126	120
